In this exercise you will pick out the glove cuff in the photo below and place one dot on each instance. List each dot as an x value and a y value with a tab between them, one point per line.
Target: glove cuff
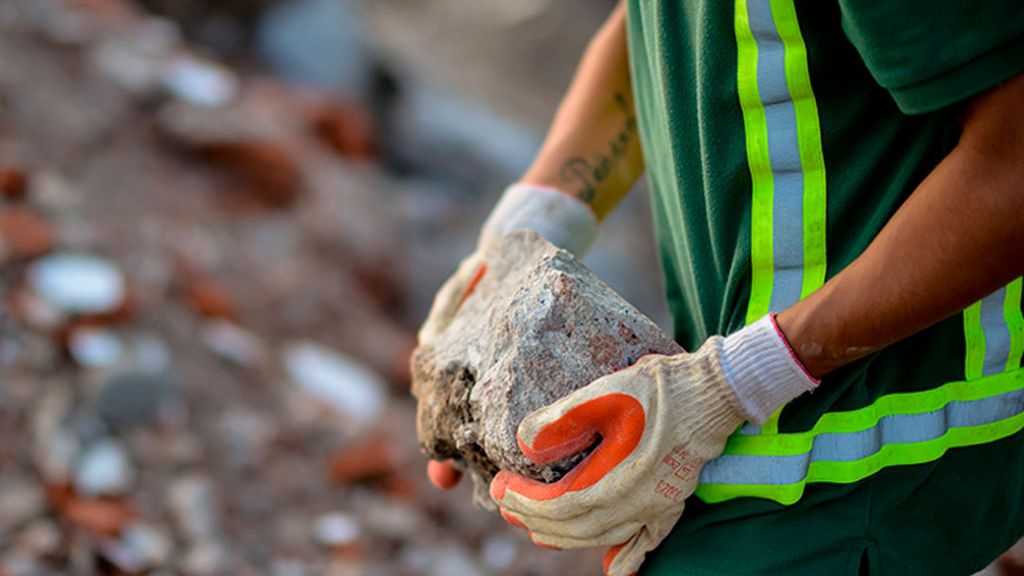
763	370
561	219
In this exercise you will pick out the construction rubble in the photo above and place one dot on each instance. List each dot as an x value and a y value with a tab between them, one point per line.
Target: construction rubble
210	283
537	326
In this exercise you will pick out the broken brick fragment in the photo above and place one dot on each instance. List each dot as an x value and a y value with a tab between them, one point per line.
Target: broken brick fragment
13	184
104	516
101	516
345	128
370	458
259	173
211	300
24	235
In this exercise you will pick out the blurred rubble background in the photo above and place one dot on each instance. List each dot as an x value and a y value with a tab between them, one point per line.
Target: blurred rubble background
220	225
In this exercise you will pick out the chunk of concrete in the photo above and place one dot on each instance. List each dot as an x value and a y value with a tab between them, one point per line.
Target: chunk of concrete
537	326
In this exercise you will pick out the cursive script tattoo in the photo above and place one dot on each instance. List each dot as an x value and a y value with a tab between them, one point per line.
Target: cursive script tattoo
588	175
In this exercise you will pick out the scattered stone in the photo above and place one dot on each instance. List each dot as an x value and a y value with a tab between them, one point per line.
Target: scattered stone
78	283
140	549
55	448
40	538
210	299
23	234
372	457
247	437
341	381
105	516
135	59
20	500
336	529
95	347
150	354
13	184
193	505
37	312
537	326
135	398
200	82
259	174
210	558
104	470
233	343
346	129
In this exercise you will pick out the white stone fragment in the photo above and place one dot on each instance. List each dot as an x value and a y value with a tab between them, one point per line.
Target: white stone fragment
336	529
339	380
200	82
95	347
141	548
78	283
104	470
194	507
233	343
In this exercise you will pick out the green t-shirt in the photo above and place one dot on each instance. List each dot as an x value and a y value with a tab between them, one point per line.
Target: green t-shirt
780	136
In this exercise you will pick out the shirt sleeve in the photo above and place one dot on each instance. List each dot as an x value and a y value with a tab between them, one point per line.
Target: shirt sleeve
930	54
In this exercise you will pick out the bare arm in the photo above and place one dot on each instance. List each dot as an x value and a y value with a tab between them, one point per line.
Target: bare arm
959	237
592	149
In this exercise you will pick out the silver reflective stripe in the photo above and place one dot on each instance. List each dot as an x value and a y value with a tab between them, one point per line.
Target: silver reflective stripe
784	155
852	446
997	333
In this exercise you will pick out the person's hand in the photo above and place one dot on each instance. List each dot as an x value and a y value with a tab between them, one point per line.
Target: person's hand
443	474
563	220
657	422
451	295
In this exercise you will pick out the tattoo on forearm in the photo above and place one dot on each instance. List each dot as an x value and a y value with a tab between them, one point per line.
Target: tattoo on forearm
588	175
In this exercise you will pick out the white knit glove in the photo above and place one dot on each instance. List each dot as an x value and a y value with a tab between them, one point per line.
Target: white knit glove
659	421
563	220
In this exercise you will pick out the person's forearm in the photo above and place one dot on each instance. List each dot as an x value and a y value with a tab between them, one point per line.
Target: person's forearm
592	149
959	237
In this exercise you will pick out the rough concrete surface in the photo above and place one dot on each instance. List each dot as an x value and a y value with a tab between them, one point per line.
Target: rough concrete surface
537	326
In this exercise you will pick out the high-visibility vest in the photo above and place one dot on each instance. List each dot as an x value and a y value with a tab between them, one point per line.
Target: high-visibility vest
788	259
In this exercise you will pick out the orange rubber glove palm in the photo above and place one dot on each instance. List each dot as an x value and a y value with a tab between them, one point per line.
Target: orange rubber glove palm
658	421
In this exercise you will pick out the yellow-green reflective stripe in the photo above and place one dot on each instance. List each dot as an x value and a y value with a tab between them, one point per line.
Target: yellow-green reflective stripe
1015	323
848	472
791	443
784	156
756	135
997	398
808	129
994	332
974	337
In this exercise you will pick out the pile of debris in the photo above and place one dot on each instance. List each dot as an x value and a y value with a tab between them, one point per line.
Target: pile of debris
210	286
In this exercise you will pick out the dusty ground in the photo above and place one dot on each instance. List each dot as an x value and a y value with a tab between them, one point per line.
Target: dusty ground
221	461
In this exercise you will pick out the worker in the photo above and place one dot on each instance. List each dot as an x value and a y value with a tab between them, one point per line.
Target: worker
838	194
